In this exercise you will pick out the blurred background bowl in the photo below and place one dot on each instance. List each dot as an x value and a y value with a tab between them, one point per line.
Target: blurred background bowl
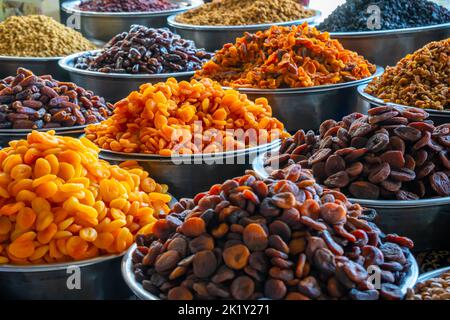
100	278
39	66
7	135
129	277
100	27
307	108
188	175
425	221
369	101
387	47
213	38
113	86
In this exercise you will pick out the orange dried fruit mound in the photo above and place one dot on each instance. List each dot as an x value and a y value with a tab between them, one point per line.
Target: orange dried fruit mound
59	202
186	117
285	57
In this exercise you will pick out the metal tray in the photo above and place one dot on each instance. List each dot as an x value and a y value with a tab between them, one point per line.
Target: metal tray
7	135
425	221
141	293
39	66
438	116
213	38
100	27
387	47
190	174
100	278
113	86
307	108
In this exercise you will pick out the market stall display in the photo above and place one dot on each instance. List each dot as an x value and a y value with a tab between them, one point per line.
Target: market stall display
298	69
100	26
37	42
126	6
280	238
215	24
135	57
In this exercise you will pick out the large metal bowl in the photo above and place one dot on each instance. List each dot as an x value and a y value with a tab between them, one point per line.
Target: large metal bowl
113	86
432	274
39	66
100	27
387	47
425	221
7	135
369	101
141	293
188	175
213	38
100	278
307	108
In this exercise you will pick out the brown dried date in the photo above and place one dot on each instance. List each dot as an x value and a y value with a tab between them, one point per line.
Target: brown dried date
42	102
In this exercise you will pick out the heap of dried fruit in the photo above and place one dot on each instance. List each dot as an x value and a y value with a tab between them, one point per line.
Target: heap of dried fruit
245	12
282	238
285	57
418	80
127	5
28	101
59	202
145	50
184	118
393	153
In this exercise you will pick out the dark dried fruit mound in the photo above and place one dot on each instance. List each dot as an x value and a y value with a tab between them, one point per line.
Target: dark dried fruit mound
282	238
393	153
394	14
145	50
28	101
127	5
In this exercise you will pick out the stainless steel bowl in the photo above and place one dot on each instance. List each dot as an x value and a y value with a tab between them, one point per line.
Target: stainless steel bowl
100	27
100	278
425	221
213	38
387	47
190	174
113	86
369	101
141	293
7	135
39	66
307	108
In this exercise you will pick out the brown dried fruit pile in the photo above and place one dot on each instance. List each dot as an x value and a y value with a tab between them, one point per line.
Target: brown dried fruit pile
282	238
393	153
419	80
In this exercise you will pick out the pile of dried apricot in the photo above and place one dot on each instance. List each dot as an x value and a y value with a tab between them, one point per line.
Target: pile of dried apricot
59	202
280	238
184	118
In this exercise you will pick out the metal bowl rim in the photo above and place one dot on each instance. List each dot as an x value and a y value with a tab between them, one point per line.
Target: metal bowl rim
66	62
69	7
432	274
29	59
75	129
57	266
144	156
372	99
306	90
136	287
171	21
394	32
258	167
